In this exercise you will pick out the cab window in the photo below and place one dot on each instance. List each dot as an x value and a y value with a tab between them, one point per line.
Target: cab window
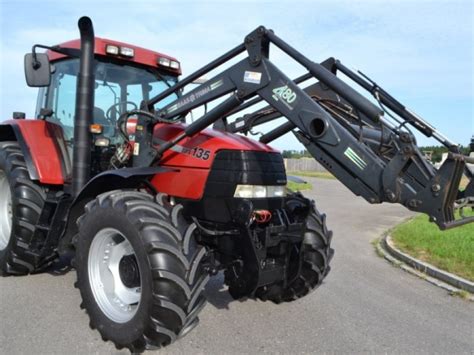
118	88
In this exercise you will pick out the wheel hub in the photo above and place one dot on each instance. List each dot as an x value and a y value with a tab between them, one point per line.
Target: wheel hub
6	212
114	275
129	272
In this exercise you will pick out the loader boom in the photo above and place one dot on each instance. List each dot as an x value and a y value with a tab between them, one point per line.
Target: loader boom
367	147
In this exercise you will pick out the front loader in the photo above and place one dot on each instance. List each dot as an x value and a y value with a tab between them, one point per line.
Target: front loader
148	208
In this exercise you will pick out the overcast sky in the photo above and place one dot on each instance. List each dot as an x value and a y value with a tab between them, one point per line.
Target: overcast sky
420	51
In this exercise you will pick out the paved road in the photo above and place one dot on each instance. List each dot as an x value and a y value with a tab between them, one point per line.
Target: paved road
365	305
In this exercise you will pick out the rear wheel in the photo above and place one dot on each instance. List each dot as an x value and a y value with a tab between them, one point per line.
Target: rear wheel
309	262
21	202
139	269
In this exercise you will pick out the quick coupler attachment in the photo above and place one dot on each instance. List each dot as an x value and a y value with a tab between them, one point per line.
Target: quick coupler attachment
447	199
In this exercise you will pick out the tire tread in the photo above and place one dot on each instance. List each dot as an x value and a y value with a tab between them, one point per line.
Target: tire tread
317	254
16	258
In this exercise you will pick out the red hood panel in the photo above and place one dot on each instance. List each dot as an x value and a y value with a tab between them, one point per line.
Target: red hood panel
199	151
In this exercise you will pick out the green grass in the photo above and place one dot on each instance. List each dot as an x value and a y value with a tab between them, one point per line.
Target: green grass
316	174
461	293
463	184
294	186
451	250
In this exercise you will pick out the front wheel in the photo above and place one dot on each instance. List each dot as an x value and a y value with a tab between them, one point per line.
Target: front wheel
139	269
309	261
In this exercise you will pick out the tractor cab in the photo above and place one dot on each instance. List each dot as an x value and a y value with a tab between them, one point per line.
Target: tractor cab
125	75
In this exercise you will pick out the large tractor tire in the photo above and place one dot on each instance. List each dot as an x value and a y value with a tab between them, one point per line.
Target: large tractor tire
139	269
315	254
21	202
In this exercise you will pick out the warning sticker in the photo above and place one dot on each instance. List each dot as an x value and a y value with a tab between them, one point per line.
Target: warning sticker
136	148
252	77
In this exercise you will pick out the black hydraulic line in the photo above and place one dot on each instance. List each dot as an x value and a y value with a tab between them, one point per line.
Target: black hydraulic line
329	79
206	120
84	108
394	105
277	132
353	76
371	133
197	74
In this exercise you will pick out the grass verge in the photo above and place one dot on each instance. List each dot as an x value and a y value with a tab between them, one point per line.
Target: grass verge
294	186
451	250
464	182
316	174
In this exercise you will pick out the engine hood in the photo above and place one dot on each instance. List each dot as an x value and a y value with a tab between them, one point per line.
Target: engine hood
199	150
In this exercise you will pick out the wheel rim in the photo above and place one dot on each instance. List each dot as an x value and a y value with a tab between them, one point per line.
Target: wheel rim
114	275
6	214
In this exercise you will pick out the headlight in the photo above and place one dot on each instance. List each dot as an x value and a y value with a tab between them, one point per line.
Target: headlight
259	191
164	61
110	49
116	50
127	52
174	64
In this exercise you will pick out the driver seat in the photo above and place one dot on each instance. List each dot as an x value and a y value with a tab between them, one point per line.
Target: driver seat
98	116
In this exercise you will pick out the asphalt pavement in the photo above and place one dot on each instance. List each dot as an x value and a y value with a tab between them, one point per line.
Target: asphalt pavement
365	305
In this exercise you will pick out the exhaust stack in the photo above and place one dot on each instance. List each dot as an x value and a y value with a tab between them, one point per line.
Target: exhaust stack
84	107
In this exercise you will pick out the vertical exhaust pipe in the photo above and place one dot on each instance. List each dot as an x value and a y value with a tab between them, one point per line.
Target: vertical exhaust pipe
84	108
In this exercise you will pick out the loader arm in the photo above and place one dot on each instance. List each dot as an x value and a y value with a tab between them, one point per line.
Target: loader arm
367	147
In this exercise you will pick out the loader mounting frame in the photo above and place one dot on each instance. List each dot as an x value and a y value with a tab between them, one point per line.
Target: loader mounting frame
352	137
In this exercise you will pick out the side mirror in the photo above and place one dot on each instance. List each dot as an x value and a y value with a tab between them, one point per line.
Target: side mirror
37	71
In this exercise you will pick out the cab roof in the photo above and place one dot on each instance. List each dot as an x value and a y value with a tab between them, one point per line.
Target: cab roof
142	56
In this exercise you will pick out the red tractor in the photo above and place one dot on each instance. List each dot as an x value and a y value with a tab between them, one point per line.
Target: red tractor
147	207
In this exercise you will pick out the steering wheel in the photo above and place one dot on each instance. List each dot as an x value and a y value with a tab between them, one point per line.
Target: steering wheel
109	111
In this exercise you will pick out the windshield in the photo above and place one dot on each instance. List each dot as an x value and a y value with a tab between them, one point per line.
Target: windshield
117	88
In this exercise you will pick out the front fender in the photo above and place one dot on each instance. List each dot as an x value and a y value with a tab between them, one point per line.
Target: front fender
117	179
126	178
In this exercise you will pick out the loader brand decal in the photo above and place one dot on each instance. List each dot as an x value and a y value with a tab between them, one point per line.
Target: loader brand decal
215	85
195	95
361	164
252	77
284	94
196	152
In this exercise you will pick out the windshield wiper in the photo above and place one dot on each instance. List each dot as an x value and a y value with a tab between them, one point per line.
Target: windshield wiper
162	78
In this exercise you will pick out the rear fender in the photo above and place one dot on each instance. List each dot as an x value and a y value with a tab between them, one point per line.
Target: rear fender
43	147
